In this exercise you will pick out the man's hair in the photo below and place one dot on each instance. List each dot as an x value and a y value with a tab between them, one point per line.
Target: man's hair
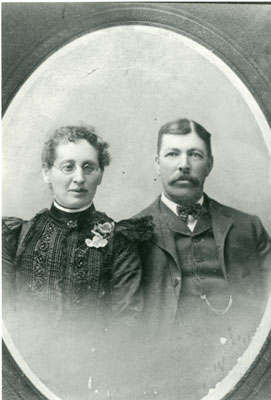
183	127
67	134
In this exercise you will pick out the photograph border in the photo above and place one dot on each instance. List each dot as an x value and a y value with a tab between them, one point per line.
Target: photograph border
176	17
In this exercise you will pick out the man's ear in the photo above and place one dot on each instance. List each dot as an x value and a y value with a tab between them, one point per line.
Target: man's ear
211	164
46	174
157	164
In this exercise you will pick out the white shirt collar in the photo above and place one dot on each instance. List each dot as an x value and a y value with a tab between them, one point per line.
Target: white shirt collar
71	210
173	206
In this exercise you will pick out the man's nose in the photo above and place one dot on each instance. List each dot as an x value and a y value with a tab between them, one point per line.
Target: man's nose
79	175
183	162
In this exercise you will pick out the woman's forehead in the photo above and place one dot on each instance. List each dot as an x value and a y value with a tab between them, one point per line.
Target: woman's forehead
78	151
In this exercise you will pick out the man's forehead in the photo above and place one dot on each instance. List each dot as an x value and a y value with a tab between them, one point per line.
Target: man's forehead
188	140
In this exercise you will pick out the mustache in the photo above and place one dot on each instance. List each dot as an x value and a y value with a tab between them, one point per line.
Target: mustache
184	177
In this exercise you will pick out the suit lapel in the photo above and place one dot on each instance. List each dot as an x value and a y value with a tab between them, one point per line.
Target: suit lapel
221	223
163	235
221	226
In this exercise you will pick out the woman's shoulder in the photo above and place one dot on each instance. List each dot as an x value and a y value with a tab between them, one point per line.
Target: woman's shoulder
12	226
14	229
139	229
101	217
11	231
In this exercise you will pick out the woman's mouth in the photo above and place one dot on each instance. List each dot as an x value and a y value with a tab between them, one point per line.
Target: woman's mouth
78	190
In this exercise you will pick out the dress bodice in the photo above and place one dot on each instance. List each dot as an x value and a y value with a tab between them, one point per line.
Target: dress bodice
73	261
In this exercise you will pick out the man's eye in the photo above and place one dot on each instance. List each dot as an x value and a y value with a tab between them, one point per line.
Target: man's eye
196	154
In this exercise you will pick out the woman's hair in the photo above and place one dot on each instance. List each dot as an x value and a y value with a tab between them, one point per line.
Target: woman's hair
67	134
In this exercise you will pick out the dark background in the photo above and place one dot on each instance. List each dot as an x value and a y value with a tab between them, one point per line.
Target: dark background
238	33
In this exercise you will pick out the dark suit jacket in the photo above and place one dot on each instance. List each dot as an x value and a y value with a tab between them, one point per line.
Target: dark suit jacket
243	248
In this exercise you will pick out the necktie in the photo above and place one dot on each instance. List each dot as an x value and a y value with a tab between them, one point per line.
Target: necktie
195	211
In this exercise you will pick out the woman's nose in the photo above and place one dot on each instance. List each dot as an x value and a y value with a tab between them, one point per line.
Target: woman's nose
79	175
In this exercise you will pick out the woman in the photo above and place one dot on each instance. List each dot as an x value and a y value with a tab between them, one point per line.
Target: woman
73	257
70	267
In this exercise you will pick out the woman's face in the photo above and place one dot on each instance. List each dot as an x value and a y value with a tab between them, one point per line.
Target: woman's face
73	176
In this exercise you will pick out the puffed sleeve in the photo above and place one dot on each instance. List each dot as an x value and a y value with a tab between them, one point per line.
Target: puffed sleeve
264	250
11	230
263	239
127	298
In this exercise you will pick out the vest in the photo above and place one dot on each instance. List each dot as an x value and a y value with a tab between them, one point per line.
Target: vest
204	288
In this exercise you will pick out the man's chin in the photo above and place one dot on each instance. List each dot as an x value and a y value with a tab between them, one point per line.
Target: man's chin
184	196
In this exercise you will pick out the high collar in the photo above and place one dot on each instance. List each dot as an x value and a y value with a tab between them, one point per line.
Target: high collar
72	220
177	225
173	206
71	210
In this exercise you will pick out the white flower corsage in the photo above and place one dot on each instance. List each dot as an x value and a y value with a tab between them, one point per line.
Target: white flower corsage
101	233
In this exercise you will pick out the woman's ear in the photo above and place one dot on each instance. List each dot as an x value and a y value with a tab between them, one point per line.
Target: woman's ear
100	178
46	174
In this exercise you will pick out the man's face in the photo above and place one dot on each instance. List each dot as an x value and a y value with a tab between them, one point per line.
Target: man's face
183	164
77	189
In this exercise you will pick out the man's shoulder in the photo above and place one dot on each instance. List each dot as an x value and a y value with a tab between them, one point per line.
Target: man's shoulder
217	205
154	209
219	208
231	212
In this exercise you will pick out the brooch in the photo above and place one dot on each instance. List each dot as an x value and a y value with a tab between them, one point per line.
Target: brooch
101	233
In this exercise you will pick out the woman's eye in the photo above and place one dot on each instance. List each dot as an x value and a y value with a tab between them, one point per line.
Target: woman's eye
67	167
89	168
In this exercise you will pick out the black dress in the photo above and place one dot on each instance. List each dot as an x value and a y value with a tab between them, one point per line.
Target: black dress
67	277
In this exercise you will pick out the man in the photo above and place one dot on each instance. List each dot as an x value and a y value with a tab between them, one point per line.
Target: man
204	272
207	261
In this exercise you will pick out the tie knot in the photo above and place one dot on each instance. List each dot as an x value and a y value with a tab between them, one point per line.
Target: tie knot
196	211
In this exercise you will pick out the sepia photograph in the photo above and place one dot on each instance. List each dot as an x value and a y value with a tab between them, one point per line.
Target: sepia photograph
136	193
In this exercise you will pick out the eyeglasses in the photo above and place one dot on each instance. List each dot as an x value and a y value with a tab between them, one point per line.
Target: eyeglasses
69	168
